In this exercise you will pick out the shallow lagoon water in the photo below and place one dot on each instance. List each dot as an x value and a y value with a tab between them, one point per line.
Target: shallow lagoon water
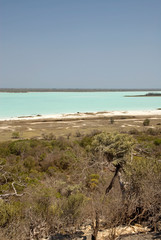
48	103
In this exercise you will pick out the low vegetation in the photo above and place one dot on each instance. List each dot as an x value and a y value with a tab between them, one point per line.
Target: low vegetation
57	185
146	122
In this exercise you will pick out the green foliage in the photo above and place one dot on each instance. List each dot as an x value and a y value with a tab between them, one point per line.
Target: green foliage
2	161
113	145
42	156
34	143
112	120
4	149
52	170
19	147
86	141
72	206
62	143
146	122
15	135
63	182
143	167
29	162
157	142
9	211
92	181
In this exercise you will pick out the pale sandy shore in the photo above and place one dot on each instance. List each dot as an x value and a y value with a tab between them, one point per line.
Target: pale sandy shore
87	115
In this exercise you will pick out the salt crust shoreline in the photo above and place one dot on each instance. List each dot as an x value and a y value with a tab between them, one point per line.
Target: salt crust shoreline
86	115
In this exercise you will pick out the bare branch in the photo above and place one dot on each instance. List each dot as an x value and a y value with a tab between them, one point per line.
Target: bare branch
11	194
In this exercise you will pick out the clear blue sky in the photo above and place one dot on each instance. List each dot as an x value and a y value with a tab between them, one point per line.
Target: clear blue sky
80	43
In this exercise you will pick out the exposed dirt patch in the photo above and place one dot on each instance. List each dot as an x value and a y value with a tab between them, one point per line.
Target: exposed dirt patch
35	128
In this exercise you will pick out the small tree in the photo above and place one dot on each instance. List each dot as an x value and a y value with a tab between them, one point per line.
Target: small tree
146	122
112	120
113	148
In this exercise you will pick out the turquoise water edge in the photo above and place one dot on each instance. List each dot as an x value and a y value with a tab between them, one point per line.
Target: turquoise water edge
48	103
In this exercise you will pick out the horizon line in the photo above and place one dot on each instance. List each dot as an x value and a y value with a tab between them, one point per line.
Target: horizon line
27	89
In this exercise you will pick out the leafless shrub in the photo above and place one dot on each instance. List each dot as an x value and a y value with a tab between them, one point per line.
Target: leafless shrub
49	136
133	131
78	134
69	135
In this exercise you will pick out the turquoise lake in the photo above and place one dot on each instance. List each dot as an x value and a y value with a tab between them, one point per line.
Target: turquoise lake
45	103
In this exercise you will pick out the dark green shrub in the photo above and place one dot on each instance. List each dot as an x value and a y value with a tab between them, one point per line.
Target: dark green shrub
112	120
29	162
146	122
157	142
87	140
19	147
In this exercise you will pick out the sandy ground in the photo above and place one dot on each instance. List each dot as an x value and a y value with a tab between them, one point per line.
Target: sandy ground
88	115
68	125
142	236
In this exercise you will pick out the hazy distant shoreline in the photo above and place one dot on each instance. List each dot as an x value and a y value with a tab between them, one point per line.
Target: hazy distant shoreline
146	95
26	90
